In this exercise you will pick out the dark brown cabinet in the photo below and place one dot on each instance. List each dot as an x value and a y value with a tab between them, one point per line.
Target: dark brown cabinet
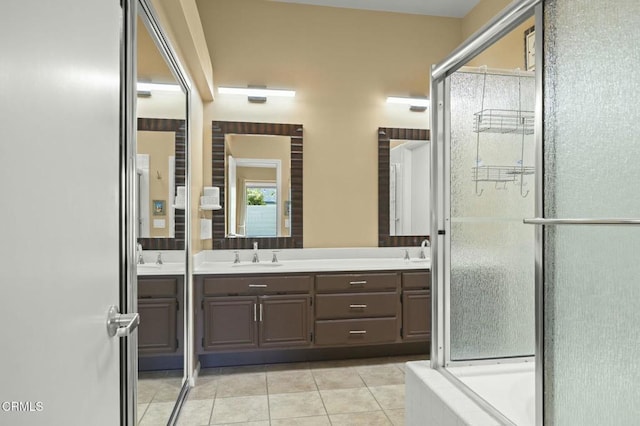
357	309
256	312
230	322
160	329
284	321
157	330
416	306
258	318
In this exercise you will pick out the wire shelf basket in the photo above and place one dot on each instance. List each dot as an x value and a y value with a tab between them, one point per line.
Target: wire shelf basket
500	173
504	121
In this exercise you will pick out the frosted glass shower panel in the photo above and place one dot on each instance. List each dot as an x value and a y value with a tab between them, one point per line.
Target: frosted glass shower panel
592	158
491	291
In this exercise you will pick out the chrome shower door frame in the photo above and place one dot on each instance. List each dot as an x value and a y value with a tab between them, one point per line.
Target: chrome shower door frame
511	17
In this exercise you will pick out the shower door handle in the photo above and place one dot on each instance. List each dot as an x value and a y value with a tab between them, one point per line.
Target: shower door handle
581	221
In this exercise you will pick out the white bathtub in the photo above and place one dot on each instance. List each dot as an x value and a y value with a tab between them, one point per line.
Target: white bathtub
510	388
432	399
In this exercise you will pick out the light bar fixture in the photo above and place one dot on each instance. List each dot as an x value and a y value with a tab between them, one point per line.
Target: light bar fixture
256	94
415	104
151	87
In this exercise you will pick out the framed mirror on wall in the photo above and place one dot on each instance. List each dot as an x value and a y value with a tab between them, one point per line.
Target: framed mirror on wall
258	168
403	186
162	221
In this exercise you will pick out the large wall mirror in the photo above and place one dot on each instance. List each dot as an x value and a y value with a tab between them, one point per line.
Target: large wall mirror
403	186
258	168
162	148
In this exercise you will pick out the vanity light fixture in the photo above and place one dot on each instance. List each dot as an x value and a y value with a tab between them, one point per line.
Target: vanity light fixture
145	88
256	94
415	104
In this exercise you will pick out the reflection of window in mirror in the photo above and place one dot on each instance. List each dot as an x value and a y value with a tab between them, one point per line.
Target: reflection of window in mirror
409	176
260	217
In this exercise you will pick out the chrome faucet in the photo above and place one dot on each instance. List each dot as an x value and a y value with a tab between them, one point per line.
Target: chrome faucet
159	259
425	243
406	255
255	253
236	258
139	253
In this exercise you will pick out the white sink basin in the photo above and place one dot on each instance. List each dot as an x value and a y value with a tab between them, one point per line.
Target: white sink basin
255	265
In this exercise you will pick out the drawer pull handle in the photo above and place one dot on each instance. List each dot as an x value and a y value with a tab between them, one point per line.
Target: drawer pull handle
358	332
357	282
257	286
357	306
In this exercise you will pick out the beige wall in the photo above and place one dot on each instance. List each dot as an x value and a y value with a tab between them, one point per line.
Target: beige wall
508	53
342	63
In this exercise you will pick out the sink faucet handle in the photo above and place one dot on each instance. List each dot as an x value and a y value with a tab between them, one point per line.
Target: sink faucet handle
274	259
159	259
255	253
236	257
406	255
139	250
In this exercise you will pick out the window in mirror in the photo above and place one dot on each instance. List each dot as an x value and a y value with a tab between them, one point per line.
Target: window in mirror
258	167
404	176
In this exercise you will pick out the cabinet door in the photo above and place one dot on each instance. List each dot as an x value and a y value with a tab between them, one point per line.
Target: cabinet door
230	323
157	330
285	321
416	315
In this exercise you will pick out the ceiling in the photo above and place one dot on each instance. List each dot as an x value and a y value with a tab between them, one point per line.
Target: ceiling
450	8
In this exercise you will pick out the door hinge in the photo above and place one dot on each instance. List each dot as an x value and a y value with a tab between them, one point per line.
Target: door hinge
401	330
441	232
177	305
312	336
311	301
203	342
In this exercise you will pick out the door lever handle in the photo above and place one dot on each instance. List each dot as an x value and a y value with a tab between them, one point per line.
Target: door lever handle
121	325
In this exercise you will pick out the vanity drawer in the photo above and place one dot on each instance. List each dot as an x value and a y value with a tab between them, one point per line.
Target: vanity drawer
356	332
257	285
157	287
419	280
357	282
356	305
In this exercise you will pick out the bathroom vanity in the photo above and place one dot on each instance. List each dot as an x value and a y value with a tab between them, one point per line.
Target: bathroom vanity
306	310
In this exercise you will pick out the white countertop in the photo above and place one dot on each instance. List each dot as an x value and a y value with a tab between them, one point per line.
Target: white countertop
311	260
210	262
311	265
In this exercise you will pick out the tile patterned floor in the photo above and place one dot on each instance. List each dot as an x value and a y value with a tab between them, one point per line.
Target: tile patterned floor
366	392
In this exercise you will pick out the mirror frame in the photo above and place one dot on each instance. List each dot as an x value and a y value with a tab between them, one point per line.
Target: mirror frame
385	134
177	126
219	131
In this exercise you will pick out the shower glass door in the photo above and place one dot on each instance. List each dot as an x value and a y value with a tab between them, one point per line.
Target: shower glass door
491	273
591	171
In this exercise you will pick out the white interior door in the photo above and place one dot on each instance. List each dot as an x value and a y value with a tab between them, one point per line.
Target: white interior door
59	251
